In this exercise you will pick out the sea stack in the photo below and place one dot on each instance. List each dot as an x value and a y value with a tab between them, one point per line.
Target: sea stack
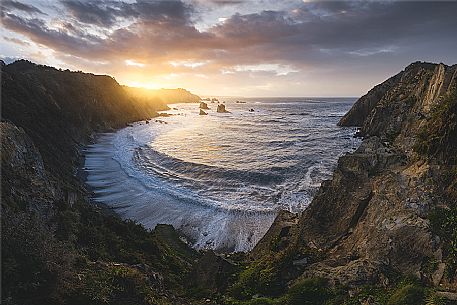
203	105
221	108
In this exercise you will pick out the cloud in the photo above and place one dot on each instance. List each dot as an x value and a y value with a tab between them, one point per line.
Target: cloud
225	2
8	5
106	13
94	12
307	33
16	41
313	36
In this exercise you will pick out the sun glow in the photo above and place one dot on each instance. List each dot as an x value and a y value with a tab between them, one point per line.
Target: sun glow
146	85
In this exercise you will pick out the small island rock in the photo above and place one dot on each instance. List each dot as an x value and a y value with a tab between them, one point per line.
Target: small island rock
221	108
203	105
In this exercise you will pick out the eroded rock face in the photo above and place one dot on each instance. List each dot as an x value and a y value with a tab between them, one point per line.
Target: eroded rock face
371	218
24	179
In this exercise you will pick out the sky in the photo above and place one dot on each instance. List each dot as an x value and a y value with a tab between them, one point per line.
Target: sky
233	47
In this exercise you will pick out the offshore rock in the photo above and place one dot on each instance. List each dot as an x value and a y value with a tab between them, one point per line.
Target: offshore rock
203	105
221	108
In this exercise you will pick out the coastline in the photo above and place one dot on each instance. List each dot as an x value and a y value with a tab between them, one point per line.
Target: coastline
225	223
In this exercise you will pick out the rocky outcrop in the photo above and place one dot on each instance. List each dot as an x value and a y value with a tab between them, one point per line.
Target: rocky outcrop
366	103
371	220
221	108
24	178
371	217
203	105
210	272
56	244
202	112
70	106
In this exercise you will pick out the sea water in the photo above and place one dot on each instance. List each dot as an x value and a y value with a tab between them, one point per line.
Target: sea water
221	178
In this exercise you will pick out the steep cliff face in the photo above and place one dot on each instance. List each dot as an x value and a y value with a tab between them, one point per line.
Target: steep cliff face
375	219
57	248
371	219
60	109
24	178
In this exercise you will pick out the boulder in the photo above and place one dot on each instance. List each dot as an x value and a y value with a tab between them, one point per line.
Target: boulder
202	112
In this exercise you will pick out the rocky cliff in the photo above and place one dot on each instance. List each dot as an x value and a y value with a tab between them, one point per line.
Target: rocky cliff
389	209
383	230
57	248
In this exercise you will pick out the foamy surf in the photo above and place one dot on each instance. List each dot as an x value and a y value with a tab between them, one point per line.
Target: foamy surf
221	179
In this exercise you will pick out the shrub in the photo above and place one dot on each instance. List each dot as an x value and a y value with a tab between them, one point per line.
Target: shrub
36	267
308	292
443	223
407	295
259	277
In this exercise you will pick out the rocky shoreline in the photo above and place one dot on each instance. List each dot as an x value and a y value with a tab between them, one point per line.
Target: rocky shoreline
381	231
372	221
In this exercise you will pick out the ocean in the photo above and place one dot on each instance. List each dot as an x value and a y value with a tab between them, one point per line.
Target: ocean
221	178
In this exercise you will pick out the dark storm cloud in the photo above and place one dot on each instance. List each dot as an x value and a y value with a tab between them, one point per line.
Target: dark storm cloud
37	30
94	12
107	13
15	5
315	33
334	30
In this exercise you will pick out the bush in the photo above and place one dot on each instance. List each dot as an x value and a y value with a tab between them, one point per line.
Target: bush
308	292
36	267
407	295
110	284
259	277
443	223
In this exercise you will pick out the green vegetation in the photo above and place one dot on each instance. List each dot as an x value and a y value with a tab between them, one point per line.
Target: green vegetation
303	292
407	295
443	223
61	253
316	291
86	257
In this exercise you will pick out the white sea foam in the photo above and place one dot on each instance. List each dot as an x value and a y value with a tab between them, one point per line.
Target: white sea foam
219	179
